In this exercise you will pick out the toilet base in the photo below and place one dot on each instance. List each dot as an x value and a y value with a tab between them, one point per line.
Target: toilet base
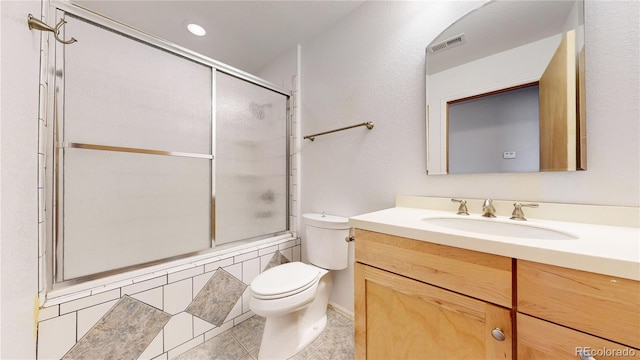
286	340
286	335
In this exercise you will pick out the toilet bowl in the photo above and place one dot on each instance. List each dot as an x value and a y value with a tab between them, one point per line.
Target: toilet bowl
293	297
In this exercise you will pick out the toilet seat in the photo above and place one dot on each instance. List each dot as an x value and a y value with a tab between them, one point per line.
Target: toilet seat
284	280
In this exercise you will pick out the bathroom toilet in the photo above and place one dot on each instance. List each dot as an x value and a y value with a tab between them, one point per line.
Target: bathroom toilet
293	297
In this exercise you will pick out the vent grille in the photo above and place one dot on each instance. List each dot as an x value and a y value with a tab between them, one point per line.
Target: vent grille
447	44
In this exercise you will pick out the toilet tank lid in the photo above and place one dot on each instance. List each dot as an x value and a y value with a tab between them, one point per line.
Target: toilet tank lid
326	221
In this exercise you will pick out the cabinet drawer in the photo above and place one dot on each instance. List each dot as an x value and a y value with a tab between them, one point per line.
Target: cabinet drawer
479	275
597	304
539	339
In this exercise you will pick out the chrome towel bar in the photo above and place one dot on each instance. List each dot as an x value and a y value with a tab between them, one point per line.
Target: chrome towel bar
368	124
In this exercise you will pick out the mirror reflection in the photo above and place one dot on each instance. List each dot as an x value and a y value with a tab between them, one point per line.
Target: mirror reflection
505	90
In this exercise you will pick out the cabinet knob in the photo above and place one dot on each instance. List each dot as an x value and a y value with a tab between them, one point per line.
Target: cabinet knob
585	355
498	334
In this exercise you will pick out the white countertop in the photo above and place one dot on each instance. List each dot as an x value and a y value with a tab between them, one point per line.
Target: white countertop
609	250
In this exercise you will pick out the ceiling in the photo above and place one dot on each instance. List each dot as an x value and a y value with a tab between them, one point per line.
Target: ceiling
247	35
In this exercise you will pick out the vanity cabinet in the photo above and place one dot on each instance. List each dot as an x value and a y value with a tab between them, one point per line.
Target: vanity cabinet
410	302
561	309
419	300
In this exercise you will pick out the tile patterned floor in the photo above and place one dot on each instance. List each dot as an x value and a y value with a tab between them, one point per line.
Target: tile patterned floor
242	342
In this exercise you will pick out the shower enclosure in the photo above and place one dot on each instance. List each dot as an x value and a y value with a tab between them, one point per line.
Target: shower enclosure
156	153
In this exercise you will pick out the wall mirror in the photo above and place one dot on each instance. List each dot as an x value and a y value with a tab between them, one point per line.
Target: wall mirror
505	90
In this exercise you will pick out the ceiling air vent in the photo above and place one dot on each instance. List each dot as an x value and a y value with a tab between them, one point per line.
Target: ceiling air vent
447	44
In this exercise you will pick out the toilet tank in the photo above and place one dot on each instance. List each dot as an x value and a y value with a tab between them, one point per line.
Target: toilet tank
325	236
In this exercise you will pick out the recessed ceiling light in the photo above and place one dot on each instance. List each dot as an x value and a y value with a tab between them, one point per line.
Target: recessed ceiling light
196	29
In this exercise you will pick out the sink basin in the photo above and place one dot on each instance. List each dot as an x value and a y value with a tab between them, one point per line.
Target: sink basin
496	227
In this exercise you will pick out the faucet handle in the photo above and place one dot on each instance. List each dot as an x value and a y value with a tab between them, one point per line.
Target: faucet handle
462	209
518	214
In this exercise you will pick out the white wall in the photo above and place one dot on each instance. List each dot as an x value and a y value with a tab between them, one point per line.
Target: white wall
19	74
370	67
281	70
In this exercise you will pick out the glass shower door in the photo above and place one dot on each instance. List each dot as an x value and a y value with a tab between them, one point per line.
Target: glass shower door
135	153
251	161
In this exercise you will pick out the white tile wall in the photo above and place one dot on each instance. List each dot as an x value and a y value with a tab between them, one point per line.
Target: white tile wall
155	348
42	132
184	274
144	285
288	253
200	281
151	297
296	253
287	245
177	296
89	316
267	250
165	356
115	285
178	330
48	313
235	270
250	269
215	265
245	300
264	261
89	301
200	326
56	336
245	256
235	311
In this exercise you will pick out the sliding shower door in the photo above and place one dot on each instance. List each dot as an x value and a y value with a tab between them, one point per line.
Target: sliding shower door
134	153
158	154
251	161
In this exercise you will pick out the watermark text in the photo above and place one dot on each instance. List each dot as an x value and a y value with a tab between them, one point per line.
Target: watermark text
605	352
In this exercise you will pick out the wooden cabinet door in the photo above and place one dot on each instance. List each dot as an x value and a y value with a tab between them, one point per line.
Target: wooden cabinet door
602	305
542	340
401	318
558	109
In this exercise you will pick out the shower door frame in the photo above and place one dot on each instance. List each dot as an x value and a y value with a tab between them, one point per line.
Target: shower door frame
53	238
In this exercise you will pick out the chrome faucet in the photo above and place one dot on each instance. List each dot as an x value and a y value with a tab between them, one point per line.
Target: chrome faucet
518	214
487	209
462	209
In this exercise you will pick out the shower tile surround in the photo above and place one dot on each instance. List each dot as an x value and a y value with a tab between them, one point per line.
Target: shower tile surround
123	333
162	316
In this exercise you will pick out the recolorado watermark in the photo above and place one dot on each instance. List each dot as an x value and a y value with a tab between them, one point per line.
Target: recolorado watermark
586	352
